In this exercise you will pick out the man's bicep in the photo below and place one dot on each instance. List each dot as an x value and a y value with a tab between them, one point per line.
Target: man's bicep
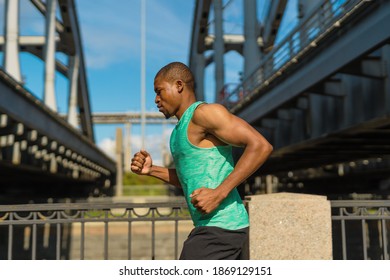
231	129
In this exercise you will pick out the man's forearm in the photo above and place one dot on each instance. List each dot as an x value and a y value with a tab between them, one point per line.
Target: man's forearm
168	175
252	158
206	200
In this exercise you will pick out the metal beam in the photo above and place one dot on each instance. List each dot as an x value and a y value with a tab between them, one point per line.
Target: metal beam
272	22
196	56
364	36
11	48
130	117
67	41
69	16
363	141
21	106
43	9
251	50
370	67
74	63
219	48
49	56
232	42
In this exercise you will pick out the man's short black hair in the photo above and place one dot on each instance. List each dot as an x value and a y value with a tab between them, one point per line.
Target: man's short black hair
177	71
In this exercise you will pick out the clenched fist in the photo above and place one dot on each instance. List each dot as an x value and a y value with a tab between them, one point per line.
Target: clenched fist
141	163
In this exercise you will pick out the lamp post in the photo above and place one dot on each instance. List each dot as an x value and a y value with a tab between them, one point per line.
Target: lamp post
143	60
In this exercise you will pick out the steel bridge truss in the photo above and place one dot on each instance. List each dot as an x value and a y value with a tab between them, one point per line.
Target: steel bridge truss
61	36
321	95
41	153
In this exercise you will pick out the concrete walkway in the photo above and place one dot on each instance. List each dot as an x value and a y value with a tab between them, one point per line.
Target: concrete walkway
141	240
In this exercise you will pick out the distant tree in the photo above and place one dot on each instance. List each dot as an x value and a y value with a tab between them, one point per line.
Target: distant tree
131	179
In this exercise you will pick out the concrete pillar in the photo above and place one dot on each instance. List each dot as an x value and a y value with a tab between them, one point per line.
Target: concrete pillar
11	44
164	149
16	149
251	49
128	147
269	184
16	155
219	48
49	55
119	163
53	163
288	226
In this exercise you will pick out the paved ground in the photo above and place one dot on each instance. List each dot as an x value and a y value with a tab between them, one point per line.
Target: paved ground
141	240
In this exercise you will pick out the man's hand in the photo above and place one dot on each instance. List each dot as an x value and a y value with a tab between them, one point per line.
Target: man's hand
141	163
206	200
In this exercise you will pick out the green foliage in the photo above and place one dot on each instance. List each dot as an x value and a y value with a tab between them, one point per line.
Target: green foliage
147	190
137	185
131	179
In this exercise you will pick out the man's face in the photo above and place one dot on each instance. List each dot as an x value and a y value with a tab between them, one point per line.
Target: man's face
166	97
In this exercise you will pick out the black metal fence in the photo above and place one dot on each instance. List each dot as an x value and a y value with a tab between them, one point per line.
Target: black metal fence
78	230
360	230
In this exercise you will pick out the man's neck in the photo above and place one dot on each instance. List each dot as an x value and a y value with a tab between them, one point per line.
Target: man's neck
184	107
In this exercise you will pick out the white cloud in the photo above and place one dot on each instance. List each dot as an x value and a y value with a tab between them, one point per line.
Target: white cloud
168	30
104	50
153	144
110	31
108	146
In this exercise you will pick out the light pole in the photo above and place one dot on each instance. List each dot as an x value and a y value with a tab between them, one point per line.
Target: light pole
143	62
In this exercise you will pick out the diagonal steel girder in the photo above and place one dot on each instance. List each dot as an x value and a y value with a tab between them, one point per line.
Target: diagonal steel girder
365	36
20	105
68	42
347	47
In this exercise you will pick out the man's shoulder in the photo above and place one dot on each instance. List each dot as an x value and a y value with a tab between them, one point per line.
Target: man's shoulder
209	108
206	112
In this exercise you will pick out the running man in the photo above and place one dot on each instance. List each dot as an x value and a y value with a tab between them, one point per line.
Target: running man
201	147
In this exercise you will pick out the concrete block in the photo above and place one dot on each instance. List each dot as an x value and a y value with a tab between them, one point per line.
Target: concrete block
289	226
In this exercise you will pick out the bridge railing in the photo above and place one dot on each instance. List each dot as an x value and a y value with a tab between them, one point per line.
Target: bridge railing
360	230
326	18
58	231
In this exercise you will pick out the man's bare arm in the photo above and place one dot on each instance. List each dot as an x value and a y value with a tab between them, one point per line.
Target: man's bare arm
168	175
142	164
217	121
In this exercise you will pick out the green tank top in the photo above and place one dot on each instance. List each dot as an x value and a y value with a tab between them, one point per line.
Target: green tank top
206	167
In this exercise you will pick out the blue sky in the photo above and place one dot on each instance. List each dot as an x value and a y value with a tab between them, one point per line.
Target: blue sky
111	35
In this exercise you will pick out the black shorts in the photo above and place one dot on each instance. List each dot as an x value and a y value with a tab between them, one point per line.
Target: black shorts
214	243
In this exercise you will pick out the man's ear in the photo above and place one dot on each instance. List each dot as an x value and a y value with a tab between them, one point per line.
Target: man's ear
179	86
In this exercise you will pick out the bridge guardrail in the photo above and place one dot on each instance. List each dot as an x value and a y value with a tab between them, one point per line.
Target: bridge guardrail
326	18
43	226
360	229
